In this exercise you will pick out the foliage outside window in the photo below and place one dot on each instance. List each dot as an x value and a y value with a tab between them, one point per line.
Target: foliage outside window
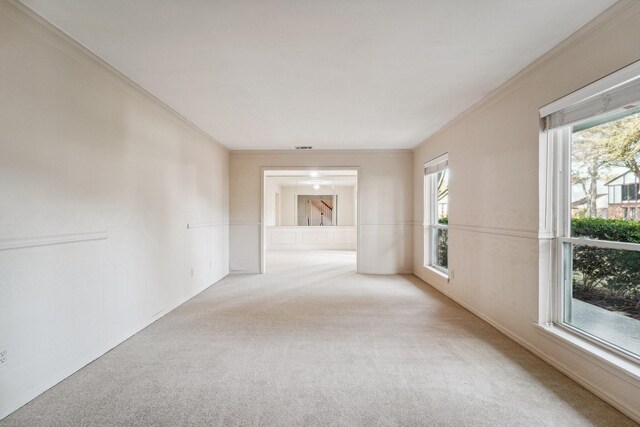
607	278
437	215
599	246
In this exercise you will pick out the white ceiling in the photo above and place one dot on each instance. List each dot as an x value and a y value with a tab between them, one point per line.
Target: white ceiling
271	74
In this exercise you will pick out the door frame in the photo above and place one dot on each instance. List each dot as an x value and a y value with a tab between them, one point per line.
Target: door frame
263	226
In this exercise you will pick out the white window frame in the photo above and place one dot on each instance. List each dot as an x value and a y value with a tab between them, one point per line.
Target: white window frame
559	162
562	288
431	215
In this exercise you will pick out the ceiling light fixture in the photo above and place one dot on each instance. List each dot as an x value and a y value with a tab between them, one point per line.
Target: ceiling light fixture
316	187
313	174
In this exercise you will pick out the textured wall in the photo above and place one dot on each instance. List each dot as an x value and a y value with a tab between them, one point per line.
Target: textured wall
385	191
495	252
98	182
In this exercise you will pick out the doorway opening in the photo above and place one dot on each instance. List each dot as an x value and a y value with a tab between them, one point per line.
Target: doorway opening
309	214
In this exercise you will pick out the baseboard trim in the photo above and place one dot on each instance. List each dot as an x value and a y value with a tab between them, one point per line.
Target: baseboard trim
622	368
8	408
244	272
382	273
631	412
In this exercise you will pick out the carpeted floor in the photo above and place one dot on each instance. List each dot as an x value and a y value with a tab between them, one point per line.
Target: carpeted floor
312	343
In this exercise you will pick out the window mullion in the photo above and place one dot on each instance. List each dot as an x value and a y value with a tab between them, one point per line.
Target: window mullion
434	215
607	244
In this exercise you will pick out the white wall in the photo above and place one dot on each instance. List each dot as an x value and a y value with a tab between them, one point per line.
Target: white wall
341	237
288	203
384	186
98	183
347	203
495	252
271	188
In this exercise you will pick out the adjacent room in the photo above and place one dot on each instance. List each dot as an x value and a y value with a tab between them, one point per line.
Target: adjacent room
310	213
319	213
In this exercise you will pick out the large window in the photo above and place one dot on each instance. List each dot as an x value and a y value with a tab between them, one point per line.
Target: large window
436	214
597	146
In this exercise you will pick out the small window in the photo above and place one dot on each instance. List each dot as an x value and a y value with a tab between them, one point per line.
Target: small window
436	214
626	195
630	191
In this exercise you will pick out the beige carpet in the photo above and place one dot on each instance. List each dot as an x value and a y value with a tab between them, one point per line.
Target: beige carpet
312	343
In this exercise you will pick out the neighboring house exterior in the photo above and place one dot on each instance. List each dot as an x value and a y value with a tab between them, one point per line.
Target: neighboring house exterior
580	206
624	197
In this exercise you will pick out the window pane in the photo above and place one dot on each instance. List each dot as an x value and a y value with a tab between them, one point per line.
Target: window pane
441	248
605	165
625	229
603	294
442	195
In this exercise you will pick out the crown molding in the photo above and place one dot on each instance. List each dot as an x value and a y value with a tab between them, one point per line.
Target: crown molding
360	152
518	80
36	24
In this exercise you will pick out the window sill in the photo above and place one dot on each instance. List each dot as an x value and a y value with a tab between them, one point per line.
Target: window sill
440	273
617	365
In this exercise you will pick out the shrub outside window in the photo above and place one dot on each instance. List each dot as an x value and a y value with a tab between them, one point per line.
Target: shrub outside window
597	145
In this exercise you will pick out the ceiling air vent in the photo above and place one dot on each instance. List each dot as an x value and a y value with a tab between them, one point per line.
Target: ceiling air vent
303	147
